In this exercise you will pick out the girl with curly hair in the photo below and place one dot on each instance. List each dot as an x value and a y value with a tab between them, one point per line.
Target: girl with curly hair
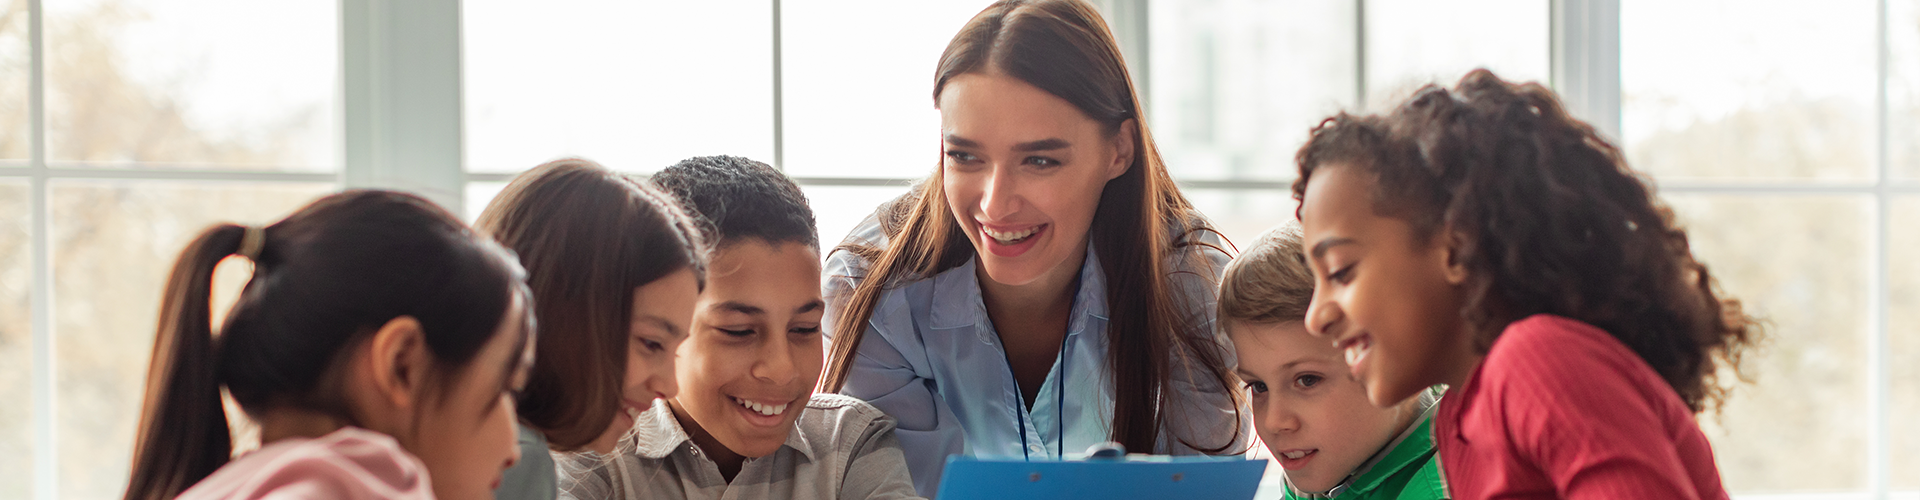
1482	238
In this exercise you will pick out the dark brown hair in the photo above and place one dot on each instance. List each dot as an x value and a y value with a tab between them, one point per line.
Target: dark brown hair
1270	281
1553	222
1064	48
325	279
736	198
588	237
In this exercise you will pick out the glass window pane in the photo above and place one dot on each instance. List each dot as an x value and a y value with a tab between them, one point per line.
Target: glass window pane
1237	84
1752	90
1411	43
16	342
14	74
479	194
836	209
113	244
220	84
858	85
633	85
1242	215
1903	343
1903	88
1799	263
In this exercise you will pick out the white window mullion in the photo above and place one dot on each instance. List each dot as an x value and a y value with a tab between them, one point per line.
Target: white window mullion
1585	57
1877	342
46	463
779	111
1879	293
1359	54
1128	21
400	97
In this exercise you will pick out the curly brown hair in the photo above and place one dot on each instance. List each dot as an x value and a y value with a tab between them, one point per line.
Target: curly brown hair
1551	221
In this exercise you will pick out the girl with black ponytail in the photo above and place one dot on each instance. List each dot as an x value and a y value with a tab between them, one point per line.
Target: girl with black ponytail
376	344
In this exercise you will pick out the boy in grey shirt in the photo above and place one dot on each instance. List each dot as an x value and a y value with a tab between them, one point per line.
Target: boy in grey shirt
746	423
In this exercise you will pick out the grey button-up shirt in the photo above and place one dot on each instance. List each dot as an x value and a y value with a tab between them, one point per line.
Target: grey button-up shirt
840	447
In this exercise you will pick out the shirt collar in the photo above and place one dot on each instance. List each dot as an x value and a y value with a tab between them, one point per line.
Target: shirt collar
1411	448
656	434
1454	407
956	298
957	302
798	440
1091	299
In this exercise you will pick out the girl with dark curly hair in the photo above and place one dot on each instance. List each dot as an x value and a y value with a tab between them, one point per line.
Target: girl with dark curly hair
1482	238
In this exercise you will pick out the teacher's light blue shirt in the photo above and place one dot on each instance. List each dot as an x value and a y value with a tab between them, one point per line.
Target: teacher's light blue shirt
932	359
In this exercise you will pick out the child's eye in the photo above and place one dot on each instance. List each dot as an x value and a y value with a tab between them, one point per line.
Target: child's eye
1308	380
808	330
650	345
1256	387
1042	162
1342	276
736	333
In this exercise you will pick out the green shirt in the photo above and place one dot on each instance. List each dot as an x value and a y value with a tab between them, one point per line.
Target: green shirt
1408	470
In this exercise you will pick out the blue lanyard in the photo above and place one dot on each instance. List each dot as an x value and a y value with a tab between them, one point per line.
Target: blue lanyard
1059	408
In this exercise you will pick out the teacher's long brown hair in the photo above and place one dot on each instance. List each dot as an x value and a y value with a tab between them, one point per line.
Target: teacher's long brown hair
1064	48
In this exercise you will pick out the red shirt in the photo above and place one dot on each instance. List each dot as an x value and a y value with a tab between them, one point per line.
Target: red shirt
1561	409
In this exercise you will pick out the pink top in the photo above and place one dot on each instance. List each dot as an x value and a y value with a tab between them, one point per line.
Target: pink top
347	464
1561	409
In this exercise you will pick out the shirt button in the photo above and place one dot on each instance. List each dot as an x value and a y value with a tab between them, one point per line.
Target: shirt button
1037	449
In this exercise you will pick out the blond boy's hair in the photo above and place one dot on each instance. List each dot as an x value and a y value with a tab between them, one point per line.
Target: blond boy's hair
1270	281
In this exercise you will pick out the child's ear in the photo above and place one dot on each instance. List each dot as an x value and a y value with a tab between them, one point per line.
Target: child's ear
1454	253
1124	149
399	360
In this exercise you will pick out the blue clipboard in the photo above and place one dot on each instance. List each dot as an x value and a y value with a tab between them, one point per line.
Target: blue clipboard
1137	476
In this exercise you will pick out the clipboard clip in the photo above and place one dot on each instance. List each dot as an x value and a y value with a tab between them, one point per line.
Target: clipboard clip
1107	451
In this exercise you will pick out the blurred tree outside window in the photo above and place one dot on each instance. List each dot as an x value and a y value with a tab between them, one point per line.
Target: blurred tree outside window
1776	99
16	342
1903	304
14	74
1903	308
210	84
138	86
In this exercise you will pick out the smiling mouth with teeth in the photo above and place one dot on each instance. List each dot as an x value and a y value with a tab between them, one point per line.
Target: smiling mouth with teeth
1010	237
1296	455
763	409
1356	348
